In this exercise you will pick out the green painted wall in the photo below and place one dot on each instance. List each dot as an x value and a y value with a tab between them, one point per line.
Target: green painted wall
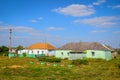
76	55
27	55
108	55
31	55
99	54
88	54
58	53
12	55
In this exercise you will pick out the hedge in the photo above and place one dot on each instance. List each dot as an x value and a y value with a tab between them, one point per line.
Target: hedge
49	59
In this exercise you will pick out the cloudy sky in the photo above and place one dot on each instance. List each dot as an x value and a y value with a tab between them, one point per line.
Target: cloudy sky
60	21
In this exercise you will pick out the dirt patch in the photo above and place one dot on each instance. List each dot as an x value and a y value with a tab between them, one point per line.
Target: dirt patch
16	66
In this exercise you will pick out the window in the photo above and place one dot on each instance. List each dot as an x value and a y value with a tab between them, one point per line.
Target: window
93	53
62	53
68	53
42	52
28	51
32	51
38	52
50	50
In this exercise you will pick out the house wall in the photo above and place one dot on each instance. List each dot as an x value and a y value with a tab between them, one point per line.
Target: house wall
38	52
51	52
73	56
99	54
12	55
88	54
108	55
34	51
62	53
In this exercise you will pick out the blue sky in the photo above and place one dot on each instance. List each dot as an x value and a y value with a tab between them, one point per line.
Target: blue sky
60	21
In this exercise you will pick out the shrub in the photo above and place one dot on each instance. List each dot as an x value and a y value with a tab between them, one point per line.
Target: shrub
53	59
4	50
24	54
79	62
65	58
96	59
49	59
42	58
5	53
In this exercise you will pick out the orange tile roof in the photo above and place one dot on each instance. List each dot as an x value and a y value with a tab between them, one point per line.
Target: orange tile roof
41	46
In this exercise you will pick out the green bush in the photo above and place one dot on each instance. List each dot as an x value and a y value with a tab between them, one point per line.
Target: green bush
49	59
96	59
4	50
24	54
5	53
65	59
79	62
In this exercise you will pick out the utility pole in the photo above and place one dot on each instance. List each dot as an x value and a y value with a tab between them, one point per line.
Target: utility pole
10	49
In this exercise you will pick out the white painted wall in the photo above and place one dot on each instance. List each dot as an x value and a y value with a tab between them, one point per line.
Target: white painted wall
37	51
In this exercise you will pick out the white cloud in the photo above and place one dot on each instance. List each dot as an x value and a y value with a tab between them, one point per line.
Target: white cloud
17	28
99	2
24	29
55	28
20	35
76	10
104	21
36	20
116	6
98	31
33	21
40	18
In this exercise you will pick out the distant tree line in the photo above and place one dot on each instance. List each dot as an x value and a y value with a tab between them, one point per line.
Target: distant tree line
4	50
19	48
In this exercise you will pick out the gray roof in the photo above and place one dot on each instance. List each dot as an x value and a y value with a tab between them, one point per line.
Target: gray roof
80	46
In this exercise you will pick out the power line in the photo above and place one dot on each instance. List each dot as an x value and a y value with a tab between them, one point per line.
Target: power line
10	46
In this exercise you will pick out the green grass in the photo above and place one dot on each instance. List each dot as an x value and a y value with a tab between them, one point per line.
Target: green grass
32	69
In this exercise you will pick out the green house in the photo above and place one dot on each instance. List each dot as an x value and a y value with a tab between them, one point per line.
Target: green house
81	50
103	54
62	53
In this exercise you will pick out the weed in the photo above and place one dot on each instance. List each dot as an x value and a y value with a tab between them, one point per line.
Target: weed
79	62
10	69
50	59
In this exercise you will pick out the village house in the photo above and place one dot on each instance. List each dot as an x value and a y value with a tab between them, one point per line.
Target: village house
80	50
38	49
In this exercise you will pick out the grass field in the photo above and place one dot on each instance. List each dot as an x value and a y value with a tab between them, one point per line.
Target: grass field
32	69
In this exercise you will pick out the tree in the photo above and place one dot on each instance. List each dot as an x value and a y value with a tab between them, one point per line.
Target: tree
19	48
4	50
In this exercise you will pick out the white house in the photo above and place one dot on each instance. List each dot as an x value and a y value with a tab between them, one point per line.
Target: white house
37	49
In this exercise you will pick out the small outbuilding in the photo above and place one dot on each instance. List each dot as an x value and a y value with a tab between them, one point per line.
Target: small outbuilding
37	49
80	50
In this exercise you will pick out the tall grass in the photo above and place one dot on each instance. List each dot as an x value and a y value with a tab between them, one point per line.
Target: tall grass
95	70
